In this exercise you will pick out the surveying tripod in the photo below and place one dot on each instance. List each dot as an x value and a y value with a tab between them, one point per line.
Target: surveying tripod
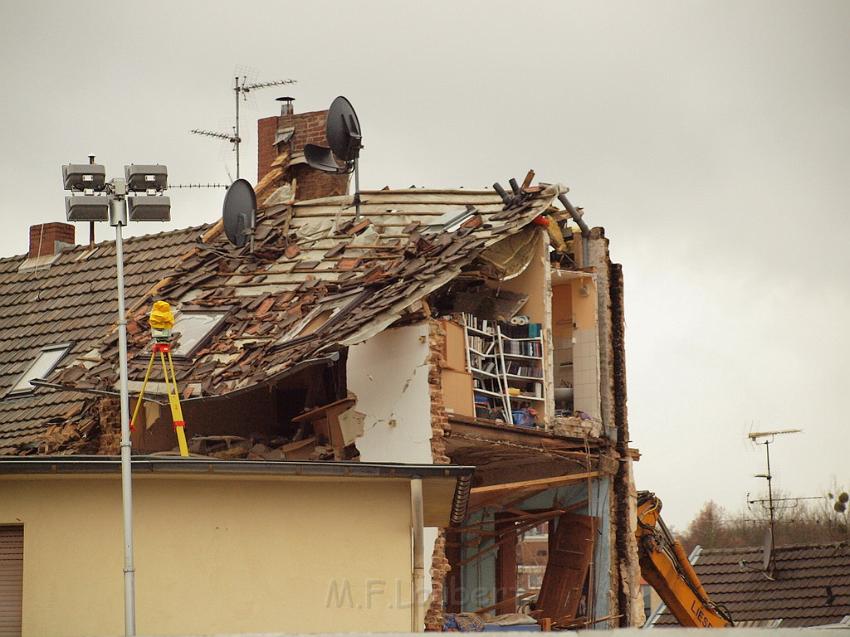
163	348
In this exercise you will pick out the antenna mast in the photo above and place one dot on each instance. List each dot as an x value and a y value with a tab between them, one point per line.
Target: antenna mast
770	561
240	87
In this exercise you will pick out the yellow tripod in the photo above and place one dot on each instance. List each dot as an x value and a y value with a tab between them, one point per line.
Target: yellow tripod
164	351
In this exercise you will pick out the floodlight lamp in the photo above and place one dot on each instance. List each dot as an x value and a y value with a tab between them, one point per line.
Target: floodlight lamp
87	208
84	177
149	208
145	177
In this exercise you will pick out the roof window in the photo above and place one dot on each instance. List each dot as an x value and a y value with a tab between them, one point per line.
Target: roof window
195	328
47	360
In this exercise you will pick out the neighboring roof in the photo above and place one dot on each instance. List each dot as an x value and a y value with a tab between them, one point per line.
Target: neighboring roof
445	487
318	280
811	586
71	299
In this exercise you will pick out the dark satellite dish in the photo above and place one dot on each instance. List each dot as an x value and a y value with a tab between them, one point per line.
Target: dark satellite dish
240	208
343	133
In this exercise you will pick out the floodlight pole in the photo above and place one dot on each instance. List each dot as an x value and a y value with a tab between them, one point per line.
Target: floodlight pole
236	91
118	218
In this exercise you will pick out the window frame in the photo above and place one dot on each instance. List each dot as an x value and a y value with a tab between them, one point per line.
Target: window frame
28	391
221	313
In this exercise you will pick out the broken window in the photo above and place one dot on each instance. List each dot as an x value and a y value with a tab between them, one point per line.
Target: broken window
194	329
41	367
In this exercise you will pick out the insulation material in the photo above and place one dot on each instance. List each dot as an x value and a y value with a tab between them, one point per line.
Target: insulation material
512	255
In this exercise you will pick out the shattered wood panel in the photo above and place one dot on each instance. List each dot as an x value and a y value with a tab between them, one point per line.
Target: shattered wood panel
570	554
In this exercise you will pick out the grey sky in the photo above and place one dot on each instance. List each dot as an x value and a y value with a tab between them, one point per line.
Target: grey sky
710	139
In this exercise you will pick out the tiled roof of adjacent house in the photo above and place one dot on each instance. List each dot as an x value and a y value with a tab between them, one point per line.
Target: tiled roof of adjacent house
811	585
71	300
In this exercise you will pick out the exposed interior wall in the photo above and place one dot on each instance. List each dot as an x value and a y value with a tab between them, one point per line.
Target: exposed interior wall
214	555
600	262
389	375
536	282
264	411
576	340
478	576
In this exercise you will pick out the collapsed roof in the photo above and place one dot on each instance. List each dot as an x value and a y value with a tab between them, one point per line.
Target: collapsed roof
318	279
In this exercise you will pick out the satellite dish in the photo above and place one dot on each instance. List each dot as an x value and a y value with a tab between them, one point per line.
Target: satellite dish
345	139
238	214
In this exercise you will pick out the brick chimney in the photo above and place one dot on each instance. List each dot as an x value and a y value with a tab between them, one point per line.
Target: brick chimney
50	238
306	128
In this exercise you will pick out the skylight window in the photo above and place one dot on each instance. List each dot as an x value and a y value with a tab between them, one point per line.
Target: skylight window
41	367
194	329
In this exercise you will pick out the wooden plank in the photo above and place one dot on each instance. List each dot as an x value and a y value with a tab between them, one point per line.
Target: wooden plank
540	483
569	561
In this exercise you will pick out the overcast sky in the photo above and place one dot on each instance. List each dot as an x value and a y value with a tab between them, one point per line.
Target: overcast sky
710	139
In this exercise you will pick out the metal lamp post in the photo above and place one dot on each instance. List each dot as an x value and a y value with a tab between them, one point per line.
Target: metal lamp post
94	199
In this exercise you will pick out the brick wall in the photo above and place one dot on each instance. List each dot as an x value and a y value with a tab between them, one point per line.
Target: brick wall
440	427
44	236
309	129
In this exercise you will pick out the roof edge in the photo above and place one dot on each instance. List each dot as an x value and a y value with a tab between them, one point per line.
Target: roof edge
62	465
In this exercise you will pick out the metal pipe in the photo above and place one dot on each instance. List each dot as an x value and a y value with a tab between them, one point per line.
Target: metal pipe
91	223
585	231
501	192
118	218
417	521
356	190
236	91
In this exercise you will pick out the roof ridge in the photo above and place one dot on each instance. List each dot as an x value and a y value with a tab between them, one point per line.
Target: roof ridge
750	549
132	239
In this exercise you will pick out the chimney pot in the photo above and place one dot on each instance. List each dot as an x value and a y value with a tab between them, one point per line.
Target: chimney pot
50	238
286	105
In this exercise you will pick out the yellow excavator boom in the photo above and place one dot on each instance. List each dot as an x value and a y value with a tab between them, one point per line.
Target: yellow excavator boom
665	566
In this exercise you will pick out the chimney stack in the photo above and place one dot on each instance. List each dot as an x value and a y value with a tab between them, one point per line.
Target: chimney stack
290	132
50	238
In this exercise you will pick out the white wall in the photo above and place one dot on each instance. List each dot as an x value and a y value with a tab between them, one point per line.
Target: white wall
389	375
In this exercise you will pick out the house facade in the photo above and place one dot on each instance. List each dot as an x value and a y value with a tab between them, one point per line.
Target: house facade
222	547
461	327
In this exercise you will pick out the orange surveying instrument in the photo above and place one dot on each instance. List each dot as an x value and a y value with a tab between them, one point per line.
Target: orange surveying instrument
161	322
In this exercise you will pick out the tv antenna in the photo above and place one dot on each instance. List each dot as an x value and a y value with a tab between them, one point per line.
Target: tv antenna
241	88
198	186
766	438
239	213
345	140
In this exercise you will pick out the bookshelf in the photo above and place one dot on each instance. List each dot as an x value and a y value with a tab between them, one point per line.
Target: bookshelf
506	363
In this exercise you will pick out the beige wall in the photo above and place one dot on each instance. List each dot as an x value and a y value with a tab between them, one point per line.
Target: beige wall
214	555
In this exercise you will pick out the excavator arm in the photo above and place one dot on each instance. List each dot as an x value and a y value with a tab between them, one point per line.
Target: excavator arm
665	566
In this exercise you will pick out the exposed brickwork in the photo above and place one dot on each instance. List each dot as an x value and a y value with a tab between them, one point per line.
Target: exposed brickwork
309	129
44	236
439	571
440	427
439	418
109	418
266	151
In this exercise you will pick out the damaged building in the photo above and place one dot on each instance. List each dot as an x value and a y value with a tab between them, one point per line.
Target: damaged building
463	327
